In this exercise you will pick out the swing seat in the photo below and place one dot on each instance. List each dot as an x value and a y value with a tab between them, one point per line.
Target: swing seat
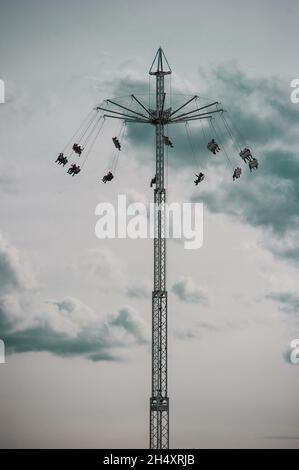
107	177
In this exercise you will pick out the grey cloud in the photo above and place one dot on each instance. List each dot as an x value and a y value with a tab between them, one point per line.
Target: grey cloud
268	115
45	339
288	301
285	247
139	291
268	199
129	83
8	179
100	264
99	341
198	330
287	356
266	121
65	327
143	136
128	319
187	291
289	254
12	273
184	334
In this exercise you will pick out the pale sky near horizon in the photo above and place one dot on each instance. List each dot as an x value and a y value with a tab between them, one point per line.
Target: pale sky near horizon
75	311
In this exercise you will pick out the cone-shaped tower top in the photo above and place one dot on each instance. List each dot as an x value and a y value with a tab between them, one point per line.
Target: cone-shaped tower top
160	65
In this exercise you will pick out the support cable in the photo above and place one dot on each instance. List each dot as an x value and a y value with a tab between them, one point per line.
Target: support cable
94	140
167	163
204	133
234	141
87	135
94	120
237	130
120	137
225	152
85	130
191	146
87	119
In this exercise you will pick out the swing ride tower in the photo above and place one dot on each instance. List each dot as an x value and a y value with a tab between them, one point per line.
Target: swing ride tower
159	401
159	118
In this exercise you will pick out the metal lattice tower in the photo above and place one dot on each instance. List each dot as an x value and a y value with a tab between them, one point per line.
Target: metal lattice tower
159	401
159	117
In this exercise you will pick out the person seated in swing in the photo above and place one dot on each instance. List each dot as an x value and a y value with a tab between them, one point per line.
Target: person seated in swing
74	169
245	154
213	146
107	177
77	149
64	161
216	146
153	181
237	173
60	158
71	169
199	178
116	142
253	164
167	141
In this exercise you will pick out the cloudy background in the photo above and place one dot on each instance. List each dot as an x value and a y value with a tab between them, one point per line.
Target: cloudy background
74	310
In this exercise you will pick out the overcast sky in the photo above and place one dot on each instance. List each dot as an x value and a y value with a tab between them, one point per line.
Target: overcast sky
75	311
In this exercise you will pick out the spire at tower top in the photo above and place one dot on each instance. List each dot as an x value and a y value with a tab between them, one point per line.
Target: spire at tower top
160	65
